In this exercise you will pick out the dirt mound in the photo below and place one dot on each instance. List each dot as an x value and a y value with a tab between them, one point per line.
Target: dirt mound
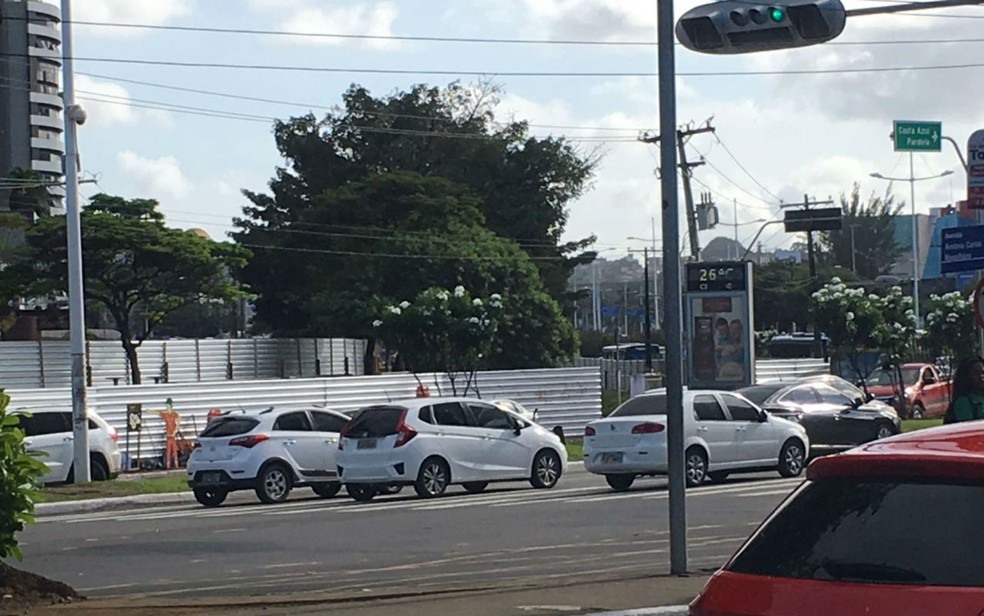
20	591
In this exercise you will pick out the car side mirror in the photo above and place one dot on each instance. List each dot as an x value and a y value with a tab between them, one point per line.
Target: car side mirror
763	417
928	380
536	414
869	397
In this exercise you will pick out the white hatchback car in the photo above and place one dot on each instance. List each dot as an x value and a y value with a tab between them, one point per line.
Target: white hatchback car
431	443
49	431
270	452
723	433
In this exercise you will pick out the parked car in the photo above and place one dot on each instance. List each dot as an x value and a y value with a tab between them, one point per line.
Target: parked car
723	433
431	443
49	432
844	543
832	417
925	392
270	452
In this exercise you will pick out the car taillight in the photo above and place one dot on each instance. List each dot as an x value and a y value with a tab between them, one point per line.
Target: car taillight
404	432
113	434
589	431
248	441
650	427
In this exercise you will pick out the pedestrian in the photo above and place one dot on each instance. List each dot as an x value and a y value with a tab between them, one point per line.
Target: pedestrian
967	401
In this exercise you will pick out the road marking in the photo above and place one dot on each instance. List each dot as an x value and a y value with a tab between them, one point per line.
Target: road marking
286	565
228	530
770	493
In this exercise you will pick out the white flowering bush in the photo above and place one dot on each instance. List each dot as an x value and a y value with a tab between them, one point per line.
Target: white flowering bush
441	330
949	330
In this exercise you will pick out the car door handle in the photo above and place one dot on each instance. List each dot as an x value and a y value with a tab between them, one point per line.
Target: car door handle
290	442
67	439
331	440
702	428
741	428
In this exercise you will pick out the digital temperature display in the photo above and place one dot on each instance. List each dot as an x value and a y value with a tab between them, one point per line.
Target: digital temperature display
722	276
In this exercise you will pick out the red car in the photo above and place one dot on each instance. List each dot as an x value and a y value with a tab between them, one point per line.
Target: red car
927	393
891	528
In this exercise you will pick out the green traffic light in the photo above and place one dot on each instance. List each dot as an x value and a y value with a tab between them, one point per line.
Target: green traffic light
776	14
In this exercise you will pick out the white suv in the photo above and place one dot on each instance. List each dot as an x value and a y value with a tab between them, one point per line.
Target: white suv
723	433
431	443
271	452
49	431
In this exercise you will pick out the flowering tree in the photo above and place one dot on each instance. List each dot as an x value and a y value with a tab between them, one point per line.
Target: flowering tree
950	326
857	322
442	331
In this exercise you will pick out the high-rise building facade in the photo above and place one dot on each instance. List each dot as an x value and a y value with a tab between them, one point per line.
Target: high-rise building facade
30	97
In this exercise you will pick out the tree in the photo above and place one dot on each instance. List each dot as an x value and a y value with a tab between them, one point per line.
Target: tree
522	184
414	232
871	224
782	294
28	193
136	267
20	473
442	331
950	331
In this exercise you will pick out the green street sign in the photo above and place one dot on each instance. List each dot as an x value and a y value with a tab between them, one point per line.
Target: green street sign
917	136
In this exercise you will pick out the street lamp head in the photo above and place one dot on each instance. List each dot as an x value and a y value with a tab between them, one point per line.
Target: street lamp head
946	173
877	175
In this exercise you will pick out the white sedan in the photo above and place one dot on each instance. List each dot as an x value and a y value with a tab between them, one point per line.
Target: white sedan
723	433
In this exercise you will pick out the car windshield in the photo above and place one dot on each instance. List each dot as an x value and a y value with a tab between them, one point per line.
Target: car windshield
229	426
759	393
888	377
642	405
375	422
860	530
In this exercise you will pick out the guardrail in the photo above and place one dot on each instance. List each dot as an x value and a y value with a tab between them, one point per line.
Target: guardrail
766	370
771	370
566	397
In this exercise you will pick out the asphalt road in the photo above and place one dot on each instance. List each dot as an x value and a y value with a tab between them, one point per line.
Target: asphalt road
512	534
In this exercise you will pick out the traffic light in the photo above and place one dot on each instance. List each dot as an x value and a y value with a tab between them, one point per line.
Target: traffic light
742	26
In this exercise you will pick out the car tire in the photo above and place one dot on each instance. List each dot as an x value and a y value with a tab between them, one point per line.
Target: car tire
274	483
620	483
327	490
546	470
792	458
918	411
884	429
475	487
210	497
433	478
718	476
392	488
696	466
97	471
362	492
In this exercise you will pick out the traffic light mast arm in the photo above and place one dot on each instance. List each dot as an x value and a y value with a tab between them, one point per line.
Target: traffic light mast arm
913	6
755	239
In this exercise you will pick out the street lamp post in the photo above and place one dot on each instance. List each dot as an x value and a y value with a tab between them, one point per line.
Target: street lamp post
737	224
912	179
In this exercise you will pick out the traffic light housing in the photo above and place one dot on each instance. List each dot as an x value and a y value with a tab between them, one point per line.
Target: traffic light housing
741	26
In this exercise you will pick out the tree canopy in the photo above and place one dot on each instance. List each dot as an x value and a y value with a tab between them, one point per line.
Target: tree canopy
871	224
518	187
136	267
782	294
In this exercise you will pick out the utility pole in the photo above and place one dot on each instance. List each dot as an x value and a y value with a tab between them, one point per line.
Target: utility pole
811	252
648	335
682	136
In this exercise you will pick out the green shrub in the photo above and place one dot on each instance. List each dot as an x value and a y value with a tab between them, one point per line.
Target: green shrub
20	474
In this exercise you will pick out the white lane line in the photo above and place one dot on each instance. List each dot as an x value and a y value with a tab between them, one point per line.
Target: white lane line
769	493
287	565
229	530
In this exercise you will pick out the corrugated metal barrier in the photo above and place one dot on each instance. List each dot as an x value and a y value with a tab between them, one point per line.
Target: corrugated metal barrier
48	363
568	397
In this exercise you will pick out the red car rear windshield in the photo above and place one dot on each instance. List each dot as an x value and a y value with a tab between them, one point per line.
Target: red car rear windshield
924	532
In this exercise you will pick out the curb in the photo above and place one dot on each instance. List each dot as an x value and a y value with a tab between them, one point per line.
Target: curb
105	504
669	610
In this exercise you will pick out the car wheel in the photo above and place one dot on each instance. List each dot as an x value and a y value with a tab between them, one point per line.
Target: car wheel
210	497
792	459
326	490
718	476
274	484
918	411
391	489
696	467
546	469
620	483
97	469
433	478
474	487
361	492
884	430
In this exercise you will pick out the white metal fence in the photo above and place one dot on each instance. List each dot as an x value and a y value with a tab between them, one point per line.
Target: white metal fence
48	363
766	370
567	397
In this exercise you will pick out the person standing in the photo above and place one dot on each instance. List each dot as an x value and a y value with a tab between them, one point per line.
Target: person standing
967	403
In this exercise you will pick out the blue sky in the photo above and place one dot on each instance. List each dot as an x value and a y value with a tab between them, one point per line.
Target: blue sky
780	135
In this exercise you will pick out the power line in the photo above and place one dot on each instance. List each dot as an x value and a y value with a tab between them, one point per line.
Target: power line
726	178
473	73
727	198
742	167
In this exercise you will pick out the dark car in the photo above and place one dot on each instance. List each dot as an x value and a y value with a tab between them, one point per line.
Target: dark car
836	414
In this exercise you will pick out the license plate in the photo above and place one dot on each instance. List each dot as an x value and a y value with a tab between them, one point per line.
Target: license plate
611	458
366	443
211	477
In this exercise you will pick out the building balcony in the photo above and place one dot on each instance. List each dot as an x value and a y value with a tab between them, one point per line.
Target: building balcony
51	121
47	54
45	8
50	32
47	166
55	146
52	100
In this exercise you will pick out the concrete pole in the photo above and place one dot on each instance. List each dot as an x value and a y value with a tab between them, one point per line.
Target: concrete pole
673	323
915	242
73	115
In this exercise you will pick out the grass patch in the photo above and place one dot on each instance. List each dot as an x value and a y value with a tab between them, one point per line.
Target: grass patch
908	425
609	400
114	488
575	450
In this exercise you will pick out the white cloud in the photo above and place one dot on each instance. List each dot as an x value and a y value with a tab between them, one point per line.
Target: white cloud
109	104
151	12
305	17
157	178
